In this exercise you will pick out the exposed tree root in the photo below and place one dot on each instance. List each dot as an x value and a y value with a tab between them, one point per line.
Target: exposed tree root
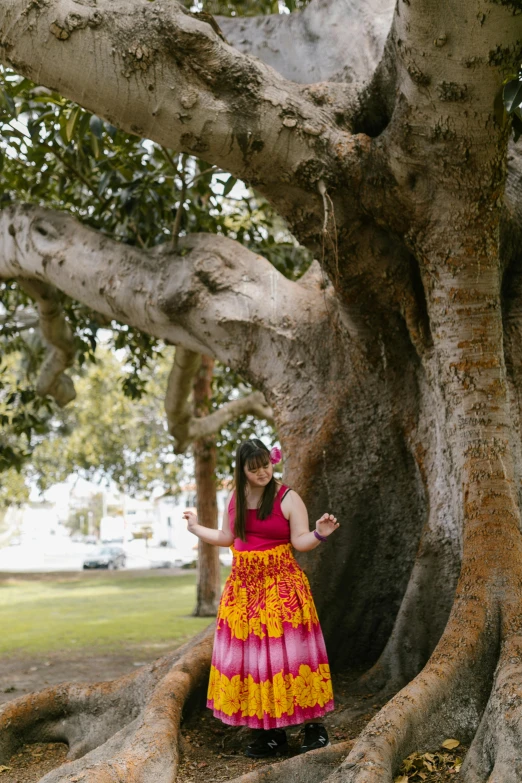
421	619
496	752
458	694
311	767
445	700
126	729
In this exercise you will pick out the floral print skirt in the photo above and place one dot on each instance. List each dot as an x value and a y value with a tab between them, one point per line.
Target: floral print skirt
269	664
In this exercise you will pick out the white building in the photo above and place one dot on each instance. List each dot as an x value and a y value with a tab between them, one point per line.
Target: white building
159	518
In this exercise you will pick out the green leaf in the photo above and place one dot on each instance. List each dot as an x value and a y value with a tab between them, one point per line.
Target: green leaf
8	102
71	123
104	181
512	95
49	99
63	133
95	144
8	131
23	84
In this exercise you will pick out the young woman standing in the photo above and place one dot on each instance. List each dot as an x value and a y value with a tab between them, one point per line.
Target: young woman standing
269	664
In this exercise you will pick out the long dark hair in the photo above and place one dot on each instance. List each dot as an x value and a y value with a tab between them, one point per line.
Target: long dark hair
253	454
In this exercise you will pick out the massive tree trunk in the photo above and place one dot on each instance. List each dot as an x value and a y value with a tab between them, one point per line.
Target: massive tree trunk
393	367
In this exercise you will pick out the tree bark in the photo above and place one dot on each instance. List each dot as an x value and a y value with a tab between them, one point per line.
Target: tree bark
127	728
310	46
60	343
208	588
186	88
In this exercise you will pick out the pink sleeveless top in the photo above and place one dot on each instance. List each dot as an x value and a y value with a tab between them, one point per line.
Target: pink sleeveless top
262	533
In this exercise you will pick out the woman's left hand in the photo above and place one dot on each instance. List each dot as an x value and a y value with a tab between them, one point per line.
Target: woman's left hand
326	525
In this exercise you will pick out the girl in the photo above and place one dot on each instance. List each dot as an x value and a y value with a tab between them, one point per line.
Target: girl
269	664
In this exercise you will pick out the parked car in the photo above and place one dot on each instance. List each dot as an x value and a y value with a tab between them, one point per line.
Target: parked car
110	557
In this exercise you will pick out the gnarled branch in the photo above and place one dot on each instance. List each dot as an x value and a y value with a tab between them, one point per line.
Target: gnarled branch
183	425
179	413
212	296
57	334
176	81
254	404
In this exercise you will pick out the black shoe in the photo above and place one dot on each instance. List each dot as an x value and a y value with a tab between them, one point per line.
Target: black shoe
315	736
271	742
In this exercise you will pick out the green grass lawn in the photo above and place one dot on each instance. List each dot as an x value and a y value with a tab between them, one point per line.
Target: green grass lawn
108	611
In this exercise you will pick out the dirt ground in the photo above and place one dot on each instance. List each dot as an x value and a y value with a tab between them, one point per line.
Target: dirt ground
211	751
21	675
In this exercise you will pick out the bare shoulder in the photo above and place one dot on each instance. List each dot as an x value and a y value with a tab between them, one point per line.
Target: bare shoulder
291	502
292	496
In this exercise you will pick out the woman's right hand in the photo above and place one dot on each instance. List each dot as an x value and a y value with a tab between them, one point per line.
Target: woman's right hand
192	519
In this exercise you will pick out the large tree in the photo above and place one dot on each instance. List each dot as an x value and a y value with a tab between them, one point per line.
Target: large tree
393	365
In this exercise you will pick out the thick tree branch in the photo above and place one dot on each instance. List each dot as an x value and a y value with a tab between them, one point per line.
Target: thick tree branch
328	41
179	411
442	78
176	81
183	426
212	296
57	335
253	404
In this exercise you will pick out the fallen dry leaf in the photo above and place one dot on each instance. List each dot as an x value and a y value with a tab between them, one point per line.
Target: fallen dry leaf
450	744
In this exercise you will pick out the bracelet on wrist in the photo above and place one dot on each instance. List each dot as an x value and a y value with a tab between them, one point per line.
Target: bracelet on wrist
319	536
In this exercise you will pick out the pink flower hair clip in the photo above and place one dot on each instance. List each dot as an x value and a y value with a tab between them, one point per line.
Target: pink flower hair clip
275	455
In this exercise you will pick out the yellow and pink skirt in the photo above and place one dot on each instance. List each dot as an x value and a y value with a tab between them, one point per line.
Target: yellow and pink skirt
269	664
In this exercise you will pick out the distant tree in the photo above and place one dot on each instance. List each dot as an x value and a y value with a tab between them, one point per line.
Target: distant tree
205	464
13	491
